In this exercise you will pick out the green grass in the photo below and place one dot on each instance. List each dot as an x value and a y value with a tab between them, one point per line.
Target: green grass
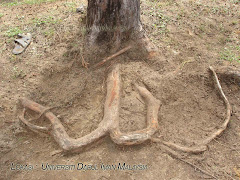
160	23
1	15
232	54
17	73
13	58
71	6
29	2
50	32
13	32
157	20
11	4
46	20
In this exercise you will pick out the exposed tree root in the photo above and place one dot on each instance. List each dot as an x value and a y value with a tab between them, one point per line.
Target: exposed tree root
84	63
202	146
198	168
175	155
228	113
110	122
57	130
230	72
31	126
193	149
146	44
114	55
140	136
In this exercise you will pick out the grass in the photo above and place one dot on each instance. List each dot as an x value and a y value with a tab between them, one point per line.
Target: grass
46	25
13	32
11	4
159	21
17	73
230	55
71	5
184	63
29	2
13	58
20	18
46	20
1	15
50	32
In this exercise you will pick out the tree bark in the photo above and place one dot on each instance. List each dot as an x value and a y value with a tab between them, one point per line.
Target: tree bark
112	21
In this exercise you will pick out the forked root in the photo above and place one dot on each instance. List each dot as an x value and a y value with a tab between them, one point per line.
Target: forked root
109	124
140	136
202	145
57	130
31	126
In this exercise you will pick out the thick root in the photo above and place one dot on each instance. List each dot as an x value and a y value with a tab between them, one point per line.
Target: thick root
110	122
140	136
57	130
31	126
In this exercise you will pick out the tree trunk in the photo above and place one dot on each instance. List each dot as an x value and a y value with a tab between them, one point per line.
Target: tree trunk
112	21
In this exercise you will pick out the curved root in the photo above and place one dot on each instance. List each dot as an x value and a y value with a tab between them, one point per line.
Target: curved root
140	136
31	126
202	146
57	130
110	122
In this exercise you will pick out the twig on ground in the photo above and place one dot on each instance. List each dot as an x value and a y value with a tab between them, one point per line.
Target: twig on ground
139	100
198	168
113	56
229	176
175	155
84	63
232	149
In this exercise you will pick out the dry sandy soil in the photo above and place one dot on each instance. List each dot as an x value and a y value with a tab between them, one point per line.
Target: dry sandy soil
190	36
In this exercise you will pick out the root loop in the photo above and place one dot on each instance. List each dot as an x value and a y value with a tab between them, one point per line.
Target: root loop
110	122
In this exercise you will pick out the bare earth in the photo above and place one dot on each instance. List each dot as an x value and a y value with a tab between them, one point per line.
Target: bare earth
190	35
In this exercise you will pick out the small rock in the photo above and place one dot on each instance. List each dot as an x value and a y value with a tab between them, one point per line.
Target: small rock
190	33
175	52
26	142
81	9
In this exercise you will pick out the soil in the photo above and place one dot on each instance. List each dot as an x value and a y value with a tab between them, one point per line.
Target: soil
190	36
